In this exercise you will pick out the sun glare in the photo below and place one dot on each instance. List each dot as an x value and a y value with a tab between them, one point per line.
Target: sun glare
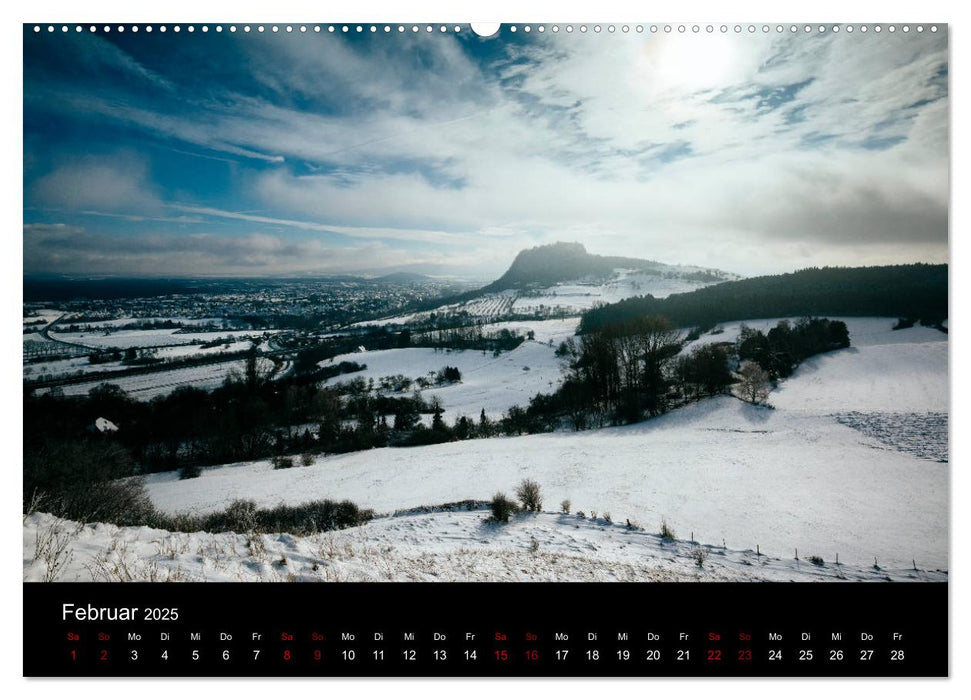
692	61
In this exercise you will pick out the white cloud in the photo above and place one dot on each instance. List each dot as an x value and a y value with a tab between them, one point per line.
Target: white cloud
742	152
115	183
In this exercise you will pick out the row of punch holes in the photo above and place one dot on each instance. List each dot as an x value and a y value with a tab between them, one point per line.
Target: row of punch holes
555	28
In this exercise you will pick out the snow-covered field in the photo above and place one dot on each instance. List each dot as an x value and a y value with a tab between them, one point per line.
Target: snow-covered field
151	339
45	315
81	364
493	384
439	546
148	386
571	297
580	296
70	366
731	476
117	322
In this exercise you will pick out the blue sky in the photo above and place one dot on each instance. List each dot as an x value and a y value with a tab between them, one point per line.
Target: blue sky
247	154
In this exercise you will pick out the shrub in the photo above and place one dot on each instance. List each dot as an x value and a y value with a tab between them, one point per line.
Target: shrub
282	462
303	519
315	516
501	508
666	531
581	515
565	507
89	481
240	516
607	517
190	471
307	459
817	560
528	494
700	554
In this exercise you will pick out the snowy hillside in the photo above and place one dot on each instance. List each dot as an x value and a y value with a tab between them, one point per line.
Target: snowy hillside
799	476
581	295
574	296
493	384
440	546
851	461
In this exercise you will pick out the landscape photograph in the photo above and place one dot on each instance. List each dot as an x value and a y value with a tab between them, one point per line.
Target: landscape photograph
388	303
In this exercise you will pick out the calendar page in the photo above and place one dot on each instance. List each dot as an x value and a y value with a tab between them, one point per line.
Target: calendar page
547	349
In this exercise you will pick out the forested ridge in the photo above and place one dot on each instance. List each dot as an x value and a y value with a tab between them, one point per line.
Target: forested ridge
916	291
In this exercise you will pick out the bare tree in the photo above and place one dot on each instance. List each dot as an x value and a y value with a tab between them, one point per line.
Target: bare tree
754	385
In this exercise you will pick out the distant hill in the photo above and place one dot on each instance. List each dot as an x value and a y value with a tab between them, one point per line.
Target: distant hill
916	291
547	265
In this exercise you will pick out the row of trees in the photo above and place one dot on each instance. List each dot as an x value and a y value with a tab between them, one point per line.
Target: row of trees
620	372
625	371
786	345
